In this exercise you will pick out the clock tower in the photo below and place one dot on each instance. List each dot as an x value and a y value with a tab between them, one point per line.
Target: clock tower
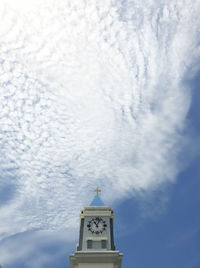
96	247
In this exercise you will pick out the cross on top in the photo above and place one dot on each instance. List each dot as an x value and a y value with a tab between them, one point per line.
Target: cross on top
97	190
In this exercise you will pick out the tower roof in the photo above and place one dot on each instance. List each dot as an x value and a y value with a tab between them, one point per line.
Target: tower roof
97	202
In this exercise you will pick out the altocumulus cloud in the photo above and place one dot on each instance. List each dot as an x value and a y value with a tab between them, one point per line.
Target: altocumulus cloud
91	92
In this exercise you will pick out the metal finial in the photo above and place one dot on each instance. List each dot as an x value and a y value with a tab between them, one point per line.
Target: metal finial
97	190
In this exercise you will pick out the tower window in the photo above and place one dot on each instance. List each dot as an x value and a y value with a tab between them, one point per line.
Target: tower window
103	243
89	243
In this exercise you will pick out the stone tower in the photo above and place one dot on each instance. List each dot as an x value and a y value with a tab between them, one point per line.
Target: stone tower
96	247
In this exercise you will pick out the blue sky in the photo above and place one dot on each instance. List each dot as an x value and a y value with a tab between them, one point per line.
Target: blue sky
99	93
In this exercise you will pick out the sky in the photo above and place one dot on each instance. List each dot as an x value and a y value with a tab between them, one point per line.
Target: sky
100	93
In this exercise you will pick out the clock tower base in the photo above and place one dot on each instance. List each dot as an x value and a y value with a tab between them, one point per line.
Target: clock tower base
95	259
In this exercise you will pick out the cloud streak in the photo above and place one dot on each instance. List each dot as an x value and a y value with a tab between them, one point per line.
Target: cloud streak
91	93
44	248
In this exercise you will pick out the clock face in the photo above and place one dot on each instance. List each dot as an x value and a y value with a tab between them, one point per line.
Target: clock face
97	225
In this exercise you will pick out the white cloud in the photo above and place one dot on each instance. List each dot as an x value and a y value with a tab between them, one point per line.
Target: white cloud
35	248
91	93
